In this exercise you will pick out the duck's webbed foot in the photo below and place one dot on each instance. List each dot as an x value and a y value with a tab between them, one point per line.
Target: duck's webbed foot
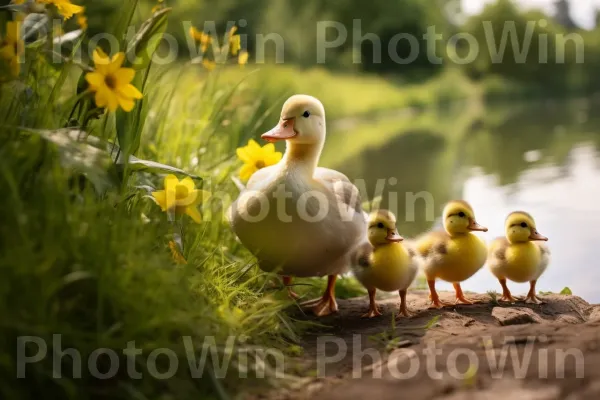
436	303
460	297
373	309
531	297
404	311
326	304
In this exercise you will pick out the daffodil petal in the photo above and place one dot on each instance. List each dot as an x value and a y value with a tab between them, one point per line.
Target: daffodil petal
130	91
112	99
161	199
242	153
101	97
95	79
247	171
188	183
170	182
194	214
123	76
253	145
126	103
273	158
116	62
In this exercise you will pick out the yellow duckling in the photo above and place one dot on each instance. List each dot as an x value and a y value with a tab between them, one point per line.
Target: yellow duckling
517	256
455	254
384	263
297	218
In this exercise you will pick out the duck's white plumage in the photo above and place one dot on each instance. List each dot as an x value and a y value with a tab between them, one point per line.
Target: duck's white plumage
297	218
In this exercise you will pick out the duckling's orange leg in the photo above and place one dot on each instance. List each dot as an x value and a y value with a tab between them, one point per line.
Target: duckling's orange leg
373	309
506	295
435	298
404	311
287	282
327	305
460	297
531	296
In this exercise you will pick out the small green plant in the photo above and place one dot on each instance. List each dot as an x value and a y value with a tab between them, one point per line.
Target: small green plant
431	323
566	291
493	296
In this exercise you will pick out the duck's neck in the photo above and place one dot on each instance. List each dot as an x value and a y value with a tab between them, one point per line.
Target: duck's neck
303	157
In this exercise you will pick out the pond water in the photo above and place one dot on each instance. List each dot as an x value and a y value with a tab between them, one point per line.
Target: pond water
540	158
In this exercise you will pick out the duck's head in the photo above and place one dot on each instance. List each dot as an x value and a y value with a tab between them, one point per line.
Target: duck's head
459	217
520	227
302	121
382	228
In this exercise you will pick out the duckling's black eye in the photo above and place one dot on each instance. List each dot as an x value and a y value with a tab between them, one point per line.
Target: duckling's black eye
523	225
461	214
306	114
380	225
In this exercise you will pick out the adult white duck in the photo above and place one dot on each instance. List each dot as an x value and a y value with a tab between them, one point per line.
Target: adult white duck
298	219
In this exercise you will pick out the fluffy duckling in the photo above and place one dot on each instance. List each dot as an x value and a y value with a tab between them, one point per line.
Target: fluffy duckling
455	254
384	263
519	256
299	219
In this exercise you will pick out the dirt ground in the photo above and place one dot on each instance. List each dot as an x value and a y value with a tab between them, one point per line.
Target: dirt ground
550	351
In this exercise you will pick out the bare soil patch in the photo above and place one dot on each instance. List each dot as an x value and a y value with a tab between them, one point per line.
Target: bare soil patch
551	351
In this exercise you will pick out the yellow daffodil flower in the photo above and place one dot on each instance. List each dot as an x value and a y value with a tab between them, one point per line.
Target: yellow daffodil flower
235	44
111	83
209	64
243	57
64	7
177	256
181	196
11	47
82	21
255	157
201	37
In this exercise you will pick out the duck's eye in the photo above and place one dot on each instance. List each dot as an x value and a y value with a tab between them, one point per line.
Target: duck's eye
461	214
523	225
380	225
306	114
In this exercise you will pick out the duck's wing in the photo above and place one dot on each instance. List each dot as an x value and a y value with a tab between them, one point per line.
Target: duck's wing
497	250
345	191
432	243
545	253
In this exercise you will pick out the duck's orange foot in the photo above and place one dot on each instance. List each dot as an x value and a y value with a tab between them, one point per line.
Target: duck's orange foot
533	299
373	312
326	306
437	304
404	312
508	298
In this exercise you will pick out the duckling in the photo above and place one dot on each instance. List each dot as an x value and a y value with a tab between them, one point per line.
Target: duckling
519	256
384	263
298	219
455	254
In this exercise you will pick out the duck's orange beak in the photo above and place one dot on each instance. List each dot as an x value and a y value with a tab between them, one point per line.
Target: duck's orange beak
474	226
535	235
393	236
283	131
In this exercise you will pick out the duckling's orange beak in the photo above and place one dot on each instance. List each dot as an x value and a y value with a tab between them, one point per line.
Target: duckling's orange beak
283	131
393	236
535	235
474	226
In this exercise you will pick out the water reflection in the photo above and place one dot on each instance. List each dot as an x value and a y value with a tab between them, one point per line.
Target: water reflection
541	158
